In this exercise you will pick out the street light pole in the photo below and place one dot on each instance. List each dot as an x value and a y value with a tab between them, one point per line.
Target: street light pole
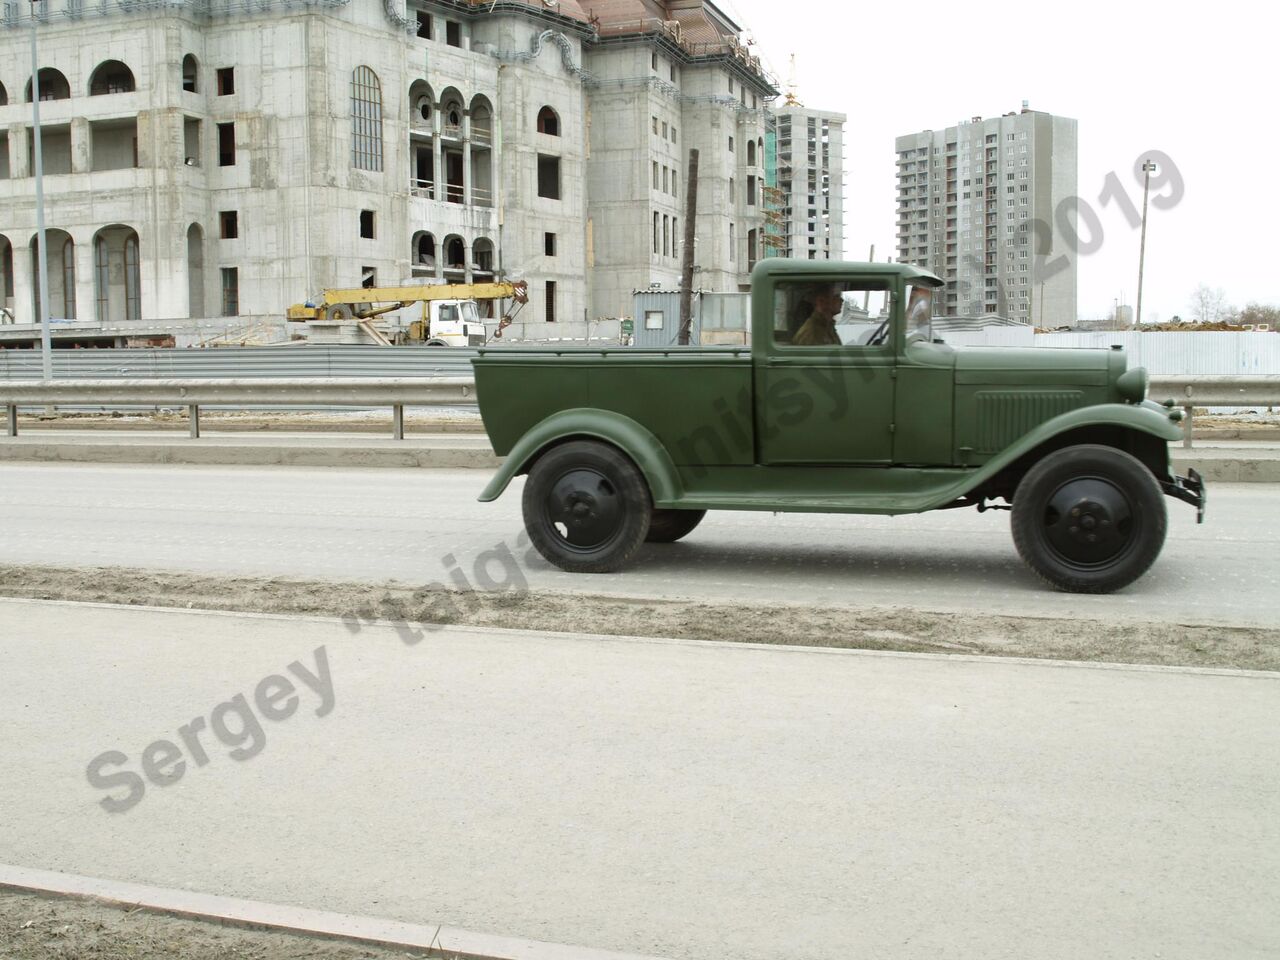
1147	169
42	252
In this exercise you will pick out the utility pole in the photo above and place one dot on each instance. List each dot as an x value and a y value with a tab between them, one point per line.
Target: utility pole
42	252
1147	169
690	235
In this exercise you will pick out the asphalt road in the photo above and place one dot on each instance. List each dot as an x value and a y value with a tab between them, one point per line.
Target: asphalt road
419	526
688	800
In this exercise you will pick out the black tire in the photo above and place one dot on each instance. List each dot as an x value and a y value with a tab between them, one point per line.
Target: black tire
1089	519
586	507
668	526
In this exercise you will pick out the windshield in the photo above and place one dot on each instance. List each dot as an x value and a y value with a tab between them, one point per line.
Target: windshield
920	312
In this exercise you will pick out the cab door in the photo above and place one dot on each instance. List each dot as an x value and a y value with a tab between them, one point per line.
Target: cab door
826	381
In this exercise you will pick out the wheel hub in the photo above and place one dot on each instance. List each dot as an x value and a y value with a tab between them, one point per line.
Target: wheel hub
1089	521
584	510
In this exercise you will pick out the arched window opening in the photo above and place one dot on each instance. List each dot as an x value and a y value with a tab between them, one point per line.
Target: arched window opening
68	279
481	121
190	74
111	76
4	96
61	264
751	153
424	252
455	254
53	85
366	120
548	122
482	253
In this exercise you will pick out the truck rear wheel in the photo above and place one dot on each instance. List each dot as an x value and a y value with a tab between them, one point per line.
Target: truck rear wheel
586	507
668	526
1089	519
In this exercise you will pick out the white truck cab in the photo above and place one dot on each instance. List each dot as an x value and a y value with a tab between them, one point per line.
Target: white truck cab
453	323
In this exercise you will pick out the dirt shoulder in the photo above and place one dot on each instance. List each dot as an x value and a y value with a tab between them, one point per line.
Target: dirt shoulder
859	628
34	928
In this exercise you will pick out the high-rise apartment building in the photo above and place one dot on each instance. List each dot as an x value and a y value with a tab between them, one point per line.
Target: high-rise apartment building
811	183
981	205
212	158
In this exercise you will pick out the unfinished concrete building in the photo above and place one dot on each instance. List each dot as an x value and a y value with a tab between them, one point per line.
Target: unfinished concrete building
811	181
221	159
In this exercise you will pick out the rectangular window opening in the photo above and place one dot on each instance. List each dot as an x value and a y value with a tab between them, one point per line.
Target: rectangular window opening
424	24
226	144
367	225
230	291
453	33
229	224
549	244
226	81
548	177
551	301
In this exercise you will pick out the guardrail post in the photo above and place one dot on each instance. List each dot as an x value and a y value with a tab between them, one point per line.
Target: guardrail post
397	421
1186	430
11	418
193	411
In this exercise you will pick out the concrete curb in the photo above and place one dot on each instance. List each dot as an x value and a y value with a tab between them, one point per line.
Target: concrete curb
1230	469
433	941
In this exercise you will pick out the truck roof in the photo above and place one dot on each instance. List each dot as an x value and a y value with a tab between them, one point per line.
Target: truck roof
824	268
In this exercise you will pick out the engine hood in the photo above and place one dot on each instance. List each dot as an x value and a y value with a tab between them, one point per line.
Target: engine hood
1048	365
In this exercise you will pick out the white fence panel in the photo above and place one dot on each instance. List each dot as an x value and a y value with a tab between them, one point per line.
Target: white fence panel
1210	353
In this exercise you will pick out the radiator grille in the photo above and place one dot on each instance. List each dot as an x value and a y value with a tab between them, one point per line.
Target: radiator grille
1005	415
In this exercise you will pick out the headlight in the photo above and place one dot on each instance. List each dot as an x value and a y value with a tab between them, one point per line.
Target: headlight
1132	385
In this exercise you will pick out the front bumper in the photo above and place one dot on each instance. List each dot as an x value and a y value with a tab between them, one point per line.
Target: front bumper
1188	489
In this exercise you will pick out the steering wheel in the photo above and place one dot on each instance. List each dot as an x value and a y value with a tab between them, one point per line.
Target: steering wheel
881	334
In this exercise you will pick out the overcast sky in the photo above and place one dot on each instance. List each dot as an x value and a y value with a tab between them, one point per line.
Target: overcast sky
1134	77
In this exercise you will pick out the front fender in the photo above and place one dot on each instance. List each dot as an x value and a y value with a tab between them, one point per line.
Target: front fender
1151	419
591	424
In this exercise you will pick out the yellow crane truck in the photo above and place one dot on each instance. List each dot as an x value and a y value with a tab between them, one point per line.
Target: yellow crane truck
450	316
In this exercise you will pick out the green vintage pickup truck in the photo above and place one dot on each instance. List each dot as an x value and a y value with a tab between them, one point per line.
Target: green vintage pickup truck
845	403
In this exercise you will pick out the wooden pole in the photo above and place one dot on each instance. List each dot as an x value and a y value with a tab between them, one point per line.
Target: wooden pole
690	234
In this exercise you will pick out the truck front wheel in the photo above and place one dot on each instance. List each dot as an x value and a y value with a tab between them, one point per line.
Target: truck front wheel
1089	519
586	507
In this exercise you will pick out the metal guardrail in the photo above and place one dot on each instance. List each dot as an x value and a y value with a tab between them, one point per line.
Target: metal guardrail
1201	391
399	392
319	391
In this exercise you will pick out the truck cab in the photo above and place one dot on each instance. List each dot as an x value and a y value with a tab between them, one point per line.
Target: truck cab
844	403
449	323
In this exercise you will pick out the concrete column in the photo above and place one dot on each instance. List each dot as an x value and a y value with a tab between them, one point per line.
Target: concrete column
86	290
151	139
466	161
19	157
81	146
24	297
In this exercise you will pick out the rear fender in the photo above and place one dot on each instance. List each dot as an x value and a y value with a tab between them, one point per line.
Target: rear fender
586	423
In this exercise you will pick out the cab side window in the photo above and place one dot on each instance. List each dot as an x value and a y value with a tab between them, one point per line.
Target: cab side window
849	314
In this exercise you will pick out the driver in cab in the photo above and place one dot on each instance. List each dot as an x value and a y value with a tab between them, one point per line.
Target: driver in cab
820	329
